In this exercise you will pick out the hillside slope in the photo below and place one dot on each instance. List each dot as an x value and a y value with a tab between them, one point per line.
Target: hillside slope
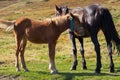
37	55
38	9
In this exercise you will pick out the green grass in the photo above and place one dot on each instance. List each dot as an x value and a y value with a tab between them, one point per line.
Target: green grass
36	55
37	60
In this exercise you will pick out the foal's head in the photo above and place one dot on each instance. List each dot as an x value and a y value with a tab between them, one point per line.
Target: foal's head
61	10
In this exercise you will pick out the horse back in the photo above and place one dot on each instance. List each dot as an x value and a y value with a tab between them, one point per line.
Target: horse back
93	15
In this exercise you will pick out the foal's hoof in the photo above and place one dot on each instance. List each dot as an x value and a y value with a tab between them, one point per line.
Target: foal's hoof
54	72
17	70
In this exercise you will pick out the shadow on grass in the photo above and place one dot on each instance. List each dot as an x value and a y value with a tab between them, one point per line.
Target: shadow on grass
72	75
117	69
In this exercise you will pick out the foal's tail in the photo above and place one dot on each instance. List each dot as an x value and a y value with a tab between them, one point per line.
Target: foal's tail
109	26
8	25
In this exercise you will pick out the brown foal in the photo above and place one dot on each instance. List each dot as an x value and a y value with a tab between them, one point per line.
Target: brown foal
46	31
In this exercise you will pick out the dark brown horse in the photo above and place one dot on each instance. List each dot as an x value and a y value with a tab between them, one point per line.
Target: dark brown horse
93	18
47	31
63	10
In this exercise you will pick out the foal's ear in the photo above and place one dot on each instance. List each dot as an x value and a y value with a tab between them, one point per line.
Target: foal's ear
57	8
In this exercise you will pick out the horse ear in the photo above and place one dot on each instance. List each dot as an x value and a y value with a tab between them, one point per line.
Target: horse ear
72	15
57	8
77	16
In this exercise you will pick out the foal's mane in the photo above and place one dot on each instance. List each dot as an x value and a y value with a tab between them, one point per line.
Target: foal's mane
59	19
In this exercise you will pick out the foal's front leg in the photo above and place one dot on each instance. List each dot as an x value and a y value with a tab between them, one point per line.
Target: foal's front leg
52	58
22	50
75	63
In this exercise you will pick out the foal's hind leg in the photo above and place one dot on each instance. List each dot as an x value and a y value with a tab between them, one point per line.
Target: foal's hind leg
109	46
82	53
22	50
18	40
75	63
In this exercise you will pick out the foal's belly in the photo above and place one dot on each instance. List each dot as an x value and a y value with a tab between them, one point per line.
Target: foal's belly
36	40
36	37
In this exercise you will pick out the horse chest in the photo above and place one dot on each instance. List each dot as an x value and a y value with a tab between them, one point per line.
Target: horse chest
81	31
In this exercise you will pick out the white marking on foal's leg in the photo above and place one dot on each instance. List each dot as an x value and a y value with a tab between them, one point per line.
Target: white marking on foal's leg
52	69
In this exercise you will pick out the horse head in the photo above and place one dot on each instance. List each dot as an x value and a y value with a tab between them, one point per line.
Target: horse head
61	10
77	13
78	24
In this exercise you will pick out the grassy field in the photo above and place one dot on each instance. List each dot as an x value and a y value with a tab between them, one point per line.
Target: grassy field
36	55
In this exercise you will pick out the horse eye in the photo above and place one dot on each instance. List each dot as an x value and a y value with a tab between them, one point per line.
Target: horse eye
67	11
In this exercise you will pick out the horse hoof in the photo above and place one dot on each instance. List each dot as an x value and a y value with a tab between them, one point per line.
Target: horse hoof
54	72
112	70
97	72
73	68
26	70
84	68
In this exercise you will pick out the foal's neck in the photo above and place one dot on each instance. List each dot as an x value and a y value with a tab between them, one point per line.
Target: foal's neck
63	23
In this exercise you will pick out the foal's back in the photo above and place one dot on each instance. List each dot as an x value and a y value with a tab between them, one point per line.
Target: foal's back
40	31
34	30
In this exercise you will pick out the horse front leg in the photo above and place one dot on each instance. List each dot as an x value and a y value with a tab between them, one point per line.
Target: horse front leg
82	53
75	63
52	58
22	50
98	56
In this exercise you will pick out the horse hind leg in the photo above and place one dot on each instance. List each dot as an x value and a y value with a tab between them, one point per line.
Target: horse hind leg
97	49
22	50
109	47
84	67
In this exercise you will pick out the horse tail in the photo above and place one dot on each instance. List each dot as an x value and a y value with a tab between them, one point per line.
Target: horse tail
8	25
109	26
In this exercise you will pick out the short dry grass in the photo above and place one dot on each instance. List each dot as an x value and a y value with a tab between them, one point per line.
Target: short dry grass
36	55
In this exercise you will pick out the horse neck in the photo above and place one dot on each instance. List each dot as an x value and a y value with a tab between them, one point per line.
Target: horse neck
62	24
